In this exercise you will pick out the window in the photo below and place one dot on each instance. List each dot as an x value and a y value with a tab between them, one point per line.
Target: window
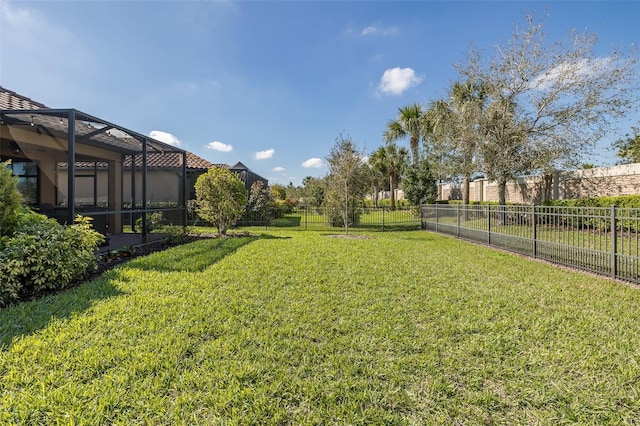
27	174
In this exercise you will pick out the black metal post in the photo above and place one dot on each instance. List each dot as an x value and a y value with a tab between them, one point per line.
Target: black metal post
144	190
71	175
534	231
185	188
133	192
614	243
489	224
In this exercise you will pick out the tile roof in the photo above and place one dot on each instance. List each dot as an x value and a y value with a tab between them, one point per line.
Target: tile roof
156	161
12	100
173	160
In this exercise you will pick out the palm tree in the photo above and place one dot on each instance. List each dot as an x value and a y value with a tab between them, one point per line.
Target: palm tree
455	124
394	160
410	122
379	172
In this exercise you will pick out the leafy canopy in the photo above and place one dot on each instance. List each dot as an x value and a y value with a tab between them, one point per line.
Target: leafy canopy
221	198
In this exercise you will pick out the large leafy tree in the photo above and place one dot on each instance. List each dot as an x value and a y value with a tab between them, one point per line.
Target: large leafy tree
628	148
454	124
394	160
347	181
221	198
555	100
409	123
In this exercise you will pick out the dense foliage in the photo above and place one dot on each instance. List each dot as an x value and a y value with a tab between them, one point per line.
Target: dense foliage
221	198
44	255
420	184
37	253
628	148
9	200
346	183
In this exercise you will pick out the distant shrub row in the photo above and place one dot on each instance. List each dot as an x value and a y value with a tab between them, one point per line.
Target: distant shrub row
623	201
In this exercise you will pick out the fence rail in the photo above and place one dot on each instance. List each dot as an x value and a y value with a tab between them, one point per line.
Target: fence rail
603	240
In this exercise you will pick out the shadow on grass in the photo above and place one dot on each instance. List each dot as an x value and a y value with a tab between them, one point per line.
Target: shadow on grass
286	222
398	227
28	317
195	256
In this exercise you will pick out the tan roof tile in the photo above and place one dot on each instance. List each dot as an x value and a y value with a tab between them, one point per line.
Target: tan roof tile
12	100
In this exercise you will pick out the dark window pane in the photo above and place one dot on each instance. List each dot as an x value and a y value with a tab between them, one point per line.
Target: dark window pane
28	187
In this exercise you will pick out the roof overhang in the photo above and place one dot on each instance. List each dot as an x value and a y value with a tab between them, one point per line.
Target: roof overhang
87	129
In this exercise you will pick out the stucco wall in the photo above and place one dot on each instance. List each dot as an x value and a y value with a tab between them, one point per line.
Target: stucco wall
597	182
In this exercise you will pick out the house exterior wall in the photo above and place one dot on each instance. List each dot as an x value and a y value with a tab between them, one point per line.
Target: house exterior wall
162	186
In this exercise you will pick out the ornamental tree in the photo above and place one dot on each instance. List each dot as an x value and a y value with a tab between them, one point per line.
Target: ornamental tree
221	198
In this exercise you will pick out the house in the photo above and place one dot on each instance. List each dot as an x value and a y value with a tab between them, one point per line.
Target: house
247	176
161	182
41	142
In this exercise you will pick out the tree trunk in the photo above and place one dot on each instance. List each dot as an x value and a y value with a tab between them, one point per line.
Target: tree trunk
466	183
502	190
502	200
393	192
548	186
376	193
465	196
414	142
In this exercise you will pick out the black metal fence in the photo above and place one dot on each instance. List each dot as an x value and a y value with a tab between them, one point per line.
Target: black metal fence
595	239
327	219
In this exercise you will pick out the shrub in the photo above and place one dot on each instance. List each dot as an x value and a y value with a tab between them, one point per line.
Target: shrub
44	255
175	234
154	221
10	200
221	198
336	220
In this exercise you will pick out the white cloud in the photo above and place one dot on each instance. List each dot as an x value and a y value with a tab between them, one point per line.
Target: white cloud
580	70
263	155
165	137
219	146
278	169
313	163
375	30
394	81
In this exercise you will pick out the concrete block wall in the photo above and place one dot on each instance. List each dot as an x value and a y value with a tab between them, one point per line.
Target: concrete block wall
597	182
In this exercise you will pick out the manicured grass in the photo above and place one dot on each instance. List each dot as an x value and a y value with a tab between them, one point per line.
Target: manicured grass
301	328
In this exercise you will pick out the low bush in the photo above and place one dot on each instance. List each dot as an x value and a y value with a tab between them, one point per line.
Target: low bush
155	220
43	255
335	217
623	201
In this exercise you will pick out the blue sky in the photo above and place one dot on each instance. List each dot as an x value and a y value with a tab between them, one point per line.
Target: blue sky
271	84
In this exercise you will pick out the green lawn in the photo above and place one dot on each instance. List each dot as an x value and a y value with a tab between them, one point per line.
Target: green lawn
299	328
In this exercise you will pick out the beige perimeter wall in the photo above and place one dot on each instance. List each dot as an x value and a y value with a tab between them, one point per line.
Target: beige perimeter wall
597	182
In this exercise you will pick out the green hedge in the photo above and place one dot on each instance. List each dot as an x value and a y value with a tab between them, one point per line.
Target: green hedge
44	255
623	201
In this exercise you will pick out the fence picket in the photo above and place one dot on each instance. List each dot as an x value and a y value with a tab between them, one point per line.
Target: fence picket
595	239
